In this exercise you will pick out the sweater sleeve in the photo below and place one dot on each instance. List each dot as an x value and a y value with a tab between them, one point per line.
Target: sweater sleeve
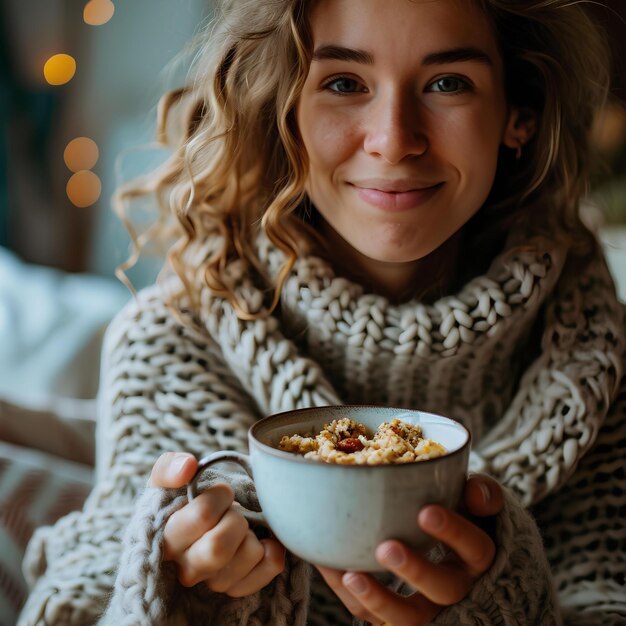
164	388
560	450
147	593
565	395
507	594
584	531
565	562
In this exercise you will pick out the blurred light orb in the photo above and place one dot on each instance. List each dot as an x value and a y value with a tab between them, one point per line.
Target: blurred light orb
98	12
81	154
59	69
83	188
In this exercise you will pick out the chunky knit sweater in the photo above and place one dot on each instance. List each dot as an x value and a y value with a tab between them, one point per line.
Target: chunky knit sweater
529	356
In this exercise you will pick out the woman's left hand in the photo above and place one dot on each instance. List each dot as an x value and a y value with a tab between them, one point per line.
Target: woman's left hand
437	585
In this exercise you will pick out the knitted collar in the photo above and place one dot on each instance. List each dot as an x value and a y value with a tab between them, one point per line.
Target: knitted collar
461	356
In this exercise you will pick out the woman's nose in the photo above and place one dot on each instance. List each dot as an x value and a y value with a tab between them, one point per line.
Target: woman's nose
393	128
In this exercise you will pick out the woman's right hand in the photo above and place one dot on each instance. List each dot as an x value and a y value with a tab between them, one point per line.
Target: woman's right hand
209	540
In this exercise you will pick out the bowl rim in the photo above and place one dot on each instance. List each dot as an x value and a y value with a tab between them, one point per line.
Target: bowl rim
297	458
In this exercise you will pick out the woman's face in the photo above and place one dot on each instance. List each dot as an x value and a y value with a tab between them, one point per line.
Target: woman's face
402	114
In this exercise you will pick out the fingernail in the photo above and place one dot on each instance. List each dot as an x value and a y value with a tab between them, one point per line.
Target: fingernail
484	489
393	556
355	583
432	518
178	463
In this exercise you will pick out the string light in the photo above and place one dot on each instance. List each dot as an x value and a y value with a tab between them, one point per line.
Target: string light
83	188
98	12
59	69
81	154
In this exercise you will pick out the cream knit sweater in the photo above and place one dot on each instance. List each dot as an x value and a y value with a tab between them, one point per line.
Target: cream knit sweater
530	356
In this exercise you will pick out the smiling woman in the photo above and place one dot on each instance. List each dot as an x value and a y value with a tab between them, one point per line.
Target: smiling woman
376	204
402	133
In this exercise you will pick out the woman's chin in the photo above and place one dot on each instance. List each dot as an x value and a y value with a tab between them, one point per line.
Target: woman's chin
395	255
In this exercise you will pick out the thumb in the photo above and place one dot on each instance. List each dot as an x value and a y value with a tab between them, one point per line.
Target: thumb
173	470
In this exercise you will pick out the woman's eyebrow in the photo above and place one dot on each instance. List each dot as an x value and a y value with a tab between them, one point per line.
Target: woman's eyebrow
339	53
454	55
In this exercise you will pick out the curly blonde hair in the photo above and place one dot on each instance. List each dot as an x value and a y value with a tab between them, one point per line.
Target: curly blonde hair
238	165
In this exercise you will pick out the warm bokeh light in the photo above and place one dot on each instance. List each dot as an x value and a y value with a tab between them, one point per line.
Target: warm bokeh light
98	12
81	154
83	188
609	130
59	69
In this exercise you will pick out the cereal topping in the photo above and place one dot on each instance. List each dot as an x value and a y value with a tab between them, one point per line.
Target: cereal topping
345	441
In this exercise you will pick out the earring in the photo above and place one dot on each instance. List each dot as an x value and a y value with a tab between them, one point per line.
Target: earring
518	152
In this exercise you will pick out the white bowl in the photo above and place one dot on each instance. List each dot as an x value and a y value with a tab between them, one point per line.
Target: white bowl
336	515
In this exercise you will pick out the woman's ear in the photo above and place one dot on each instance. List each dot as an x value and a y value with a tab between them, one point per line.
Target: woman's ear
520	128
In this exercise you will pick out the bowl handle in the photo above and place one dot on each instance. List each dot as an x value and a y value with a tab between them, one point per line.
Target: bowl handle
226	457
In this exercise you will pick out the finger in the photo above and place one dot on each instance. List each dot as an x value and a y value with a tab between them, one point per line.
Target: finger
247	557
272	564
173	470
483	496
214	550
472	545
387	606
202	514
334	579
442	583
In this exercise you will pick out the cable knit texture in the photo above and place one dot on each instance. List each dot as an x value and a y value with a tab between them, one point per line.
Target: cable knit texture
529	356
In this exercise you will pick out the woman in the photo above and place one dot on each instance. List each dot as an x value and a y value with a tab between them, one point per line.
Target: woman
376	203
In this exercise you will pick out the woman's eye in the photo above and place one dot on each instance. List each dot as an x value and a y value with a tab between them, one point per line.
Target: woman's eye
344	84
449	84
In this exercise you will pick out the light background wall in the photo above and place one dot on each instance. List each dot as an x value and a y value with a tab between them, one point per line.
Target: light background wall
123	67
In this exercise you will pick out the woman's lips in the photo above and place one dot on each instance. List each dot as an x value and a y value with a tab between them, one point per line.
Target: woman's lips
397	200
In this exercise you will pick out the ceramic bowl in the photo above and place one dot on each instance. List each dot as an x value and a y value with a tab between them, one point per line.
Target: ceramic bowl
336	515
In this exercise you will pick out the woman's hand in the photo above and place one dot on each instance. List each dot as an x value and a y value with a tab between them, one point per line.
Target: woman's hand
436	585
209	541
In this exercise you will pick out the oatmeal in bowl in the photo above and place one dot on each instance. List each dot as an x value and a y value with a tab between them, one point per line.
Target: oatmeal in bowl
346	441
